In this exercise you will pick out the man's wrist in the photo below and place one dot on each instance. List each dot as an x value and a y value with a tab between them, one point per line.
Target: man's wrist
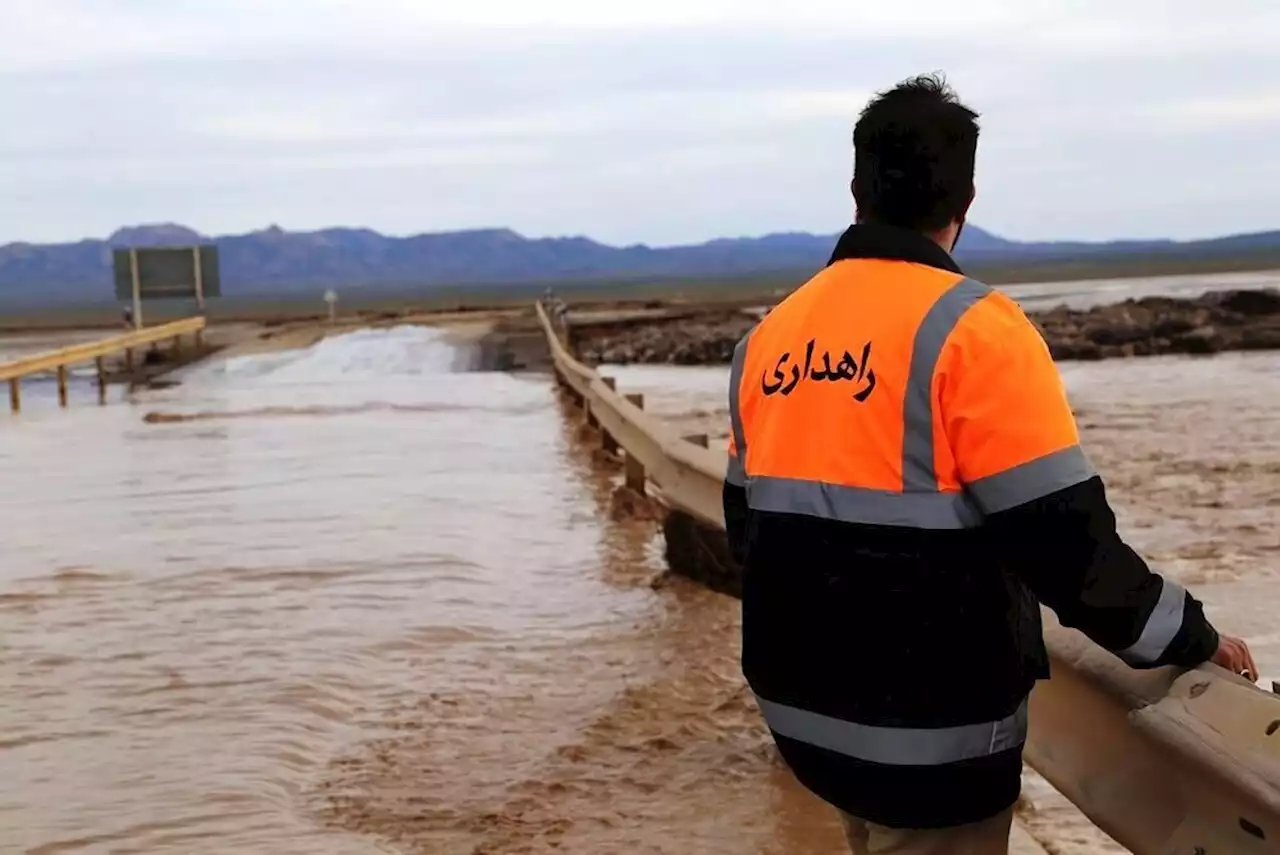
1197	647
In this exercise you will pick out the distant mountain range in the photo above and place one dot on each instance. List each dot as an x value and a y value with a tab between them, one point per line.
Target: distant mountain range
277	263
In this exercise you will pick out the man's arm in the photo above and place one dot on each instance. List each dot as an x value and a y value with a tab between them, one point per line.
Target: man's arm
736	510
1066	547
735	506
1017	448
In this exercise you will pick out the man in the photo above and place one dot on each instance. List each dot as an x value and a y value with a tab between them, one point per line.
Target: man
905	486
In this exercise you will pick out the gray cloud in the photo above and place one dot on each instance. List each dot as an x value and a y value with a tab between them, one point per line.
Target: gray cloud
663	123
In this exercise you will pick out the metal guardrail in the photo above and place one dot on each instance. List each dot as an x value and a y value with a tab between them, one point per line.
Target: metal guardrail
1166	762
92	351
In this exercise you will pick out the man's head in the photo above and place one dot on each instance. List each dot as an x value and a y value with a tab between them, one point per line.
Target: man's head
914	149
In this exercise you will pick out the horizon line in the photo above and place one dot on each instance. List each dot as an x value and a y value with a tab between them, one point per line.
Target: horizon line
582	236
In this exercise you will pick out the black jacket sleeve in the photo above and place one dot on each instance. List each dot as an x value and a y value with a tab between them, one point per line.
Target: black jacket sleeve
735	521
1067	551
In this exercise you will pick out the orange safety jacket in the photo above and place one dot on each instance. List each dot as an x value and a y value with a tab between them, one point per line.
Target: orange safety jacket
905	486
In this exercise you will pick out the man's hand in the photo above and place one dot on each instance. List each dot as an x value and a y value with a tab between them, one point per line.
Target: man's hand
1233	654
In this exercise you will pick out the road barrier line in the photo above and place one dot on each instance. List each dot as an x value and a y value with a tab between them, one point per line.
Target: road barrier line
61	359
1167	762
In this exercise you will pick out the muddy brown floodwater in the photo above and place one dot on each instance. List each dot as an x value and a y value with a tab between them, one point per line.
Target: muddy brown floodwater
350	599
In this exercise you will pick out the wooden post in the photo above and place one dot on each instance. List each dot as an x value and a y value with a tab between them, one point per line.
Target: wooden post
15	394
592	421
177	344
633	469
62	385
102	380
195	250
199	339
128	359
137	289
697	439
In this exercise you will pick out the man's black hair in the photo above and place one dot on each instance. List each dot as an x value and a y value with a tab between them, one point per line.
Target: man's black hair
914	149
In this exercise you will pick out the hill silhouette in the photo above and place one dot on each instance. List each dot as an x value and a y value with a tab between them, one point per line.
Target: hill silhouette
276	263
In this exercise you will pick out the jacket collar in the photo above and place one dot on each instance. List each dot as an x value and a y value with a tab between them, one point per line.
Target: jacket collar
872	240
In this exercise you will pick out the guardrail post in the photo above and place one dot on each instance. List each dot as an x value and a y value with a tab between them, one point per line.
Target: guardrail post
128	359
697	439
102	380
607	441
177	344
15	394
62	385
633	469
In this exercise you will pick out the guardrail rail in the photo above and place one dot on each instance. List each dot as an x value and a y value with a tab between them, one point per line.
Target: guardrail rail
1167	762
94	351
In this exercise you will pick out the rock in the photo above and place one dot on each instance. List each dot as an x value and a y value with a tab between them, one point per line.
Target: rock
1199	341
1230	320
1125	333
1074	349
1251	303
1171	326
1263	337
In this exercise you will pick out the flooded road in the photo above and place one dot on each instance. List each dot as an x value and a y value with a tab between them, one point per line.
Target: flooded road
351	599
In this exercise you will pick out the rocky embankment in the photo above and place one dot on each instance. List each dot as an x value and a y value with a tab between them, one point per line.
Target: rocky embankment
1215	322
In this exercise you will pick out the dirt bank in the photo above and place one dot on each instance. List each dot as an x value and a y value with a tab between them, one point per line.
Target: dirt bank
1215	322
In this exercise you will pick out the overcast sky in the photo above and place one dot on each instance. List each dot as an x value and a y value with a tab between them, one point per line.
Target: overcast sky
658	121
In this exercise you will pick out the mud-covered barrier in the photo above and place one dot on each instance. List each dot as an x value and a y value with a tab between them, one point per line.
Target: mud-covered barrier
701	552
1150	326
1166	762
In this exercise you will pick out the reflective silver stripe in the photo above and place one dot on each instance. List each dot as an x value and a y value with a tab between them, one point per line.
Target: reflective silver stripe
735	474
860	505
898	746
918	470
1031	480
920	504
735	396
1162	625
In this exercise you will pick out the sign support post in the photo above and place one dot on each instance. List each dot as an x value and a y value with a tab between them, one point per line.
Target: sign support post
199	279
137	289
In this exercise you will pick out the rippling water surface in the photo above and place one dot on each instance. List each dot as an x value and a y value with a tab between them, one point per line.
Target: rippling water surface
348	600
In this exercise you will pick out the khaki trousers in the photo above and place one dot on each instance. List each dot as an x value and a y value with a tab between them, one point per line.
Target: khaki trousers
989	837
